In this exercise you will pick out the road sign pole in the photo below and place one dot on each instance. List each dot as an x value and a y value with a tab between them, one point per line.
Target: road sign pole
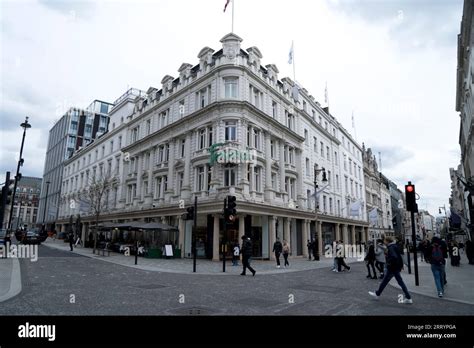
413	236
194	233
224	236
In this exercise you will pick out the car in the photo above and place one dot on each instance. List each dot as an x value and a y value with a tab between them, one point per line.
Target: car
31	237
3	236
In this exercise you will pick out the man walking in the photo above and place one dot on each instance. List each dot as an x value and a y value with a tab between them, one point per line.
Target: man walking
436	256
246	254
71	240
277	249
394	266
310	249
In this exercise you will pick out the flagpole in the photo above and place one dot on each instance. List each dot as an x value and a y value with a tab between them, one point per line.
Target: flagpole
294	69
353	125
232	16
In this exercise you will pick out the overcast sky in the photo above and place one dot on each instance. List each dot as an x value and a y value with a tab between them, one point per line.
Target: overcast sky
391	63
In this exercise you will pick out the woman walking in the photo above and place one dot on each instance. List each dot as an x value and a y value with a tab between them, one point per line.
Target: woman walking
286	252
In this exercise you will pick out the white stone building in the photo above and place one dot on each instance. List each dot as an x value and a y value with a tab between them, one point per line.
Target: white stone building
231	99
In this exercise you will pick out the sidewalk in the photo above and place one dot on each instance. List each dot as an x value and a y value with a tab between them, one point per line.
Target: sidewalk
203	266
10	278
460	281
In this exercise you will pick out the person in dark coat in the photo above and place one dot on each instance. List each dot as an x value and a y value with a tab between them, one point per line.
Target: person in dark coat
310	249
470	252
394	263
246	255
71	240
277	249
437	255
370	261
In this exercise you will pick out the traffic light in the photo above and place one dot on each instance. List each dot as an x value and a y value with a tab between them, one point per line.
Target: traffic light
189	213
410	195
231	210
8	191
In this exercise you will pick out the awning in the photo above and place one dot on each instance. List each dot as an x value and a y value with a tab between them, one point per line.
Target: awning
156	226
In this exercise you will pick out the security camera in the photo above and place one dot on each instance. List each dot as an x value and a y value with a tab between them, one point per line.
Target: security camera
153	205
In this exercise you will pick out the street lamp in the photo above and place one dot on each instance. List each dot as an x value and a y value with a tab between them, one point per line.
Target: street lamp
446	216
46	201
316	173
25	125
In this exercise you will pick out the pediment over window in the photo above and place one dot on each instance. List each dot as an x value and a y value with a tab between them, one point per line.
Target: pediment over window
231	45
167	83
272	72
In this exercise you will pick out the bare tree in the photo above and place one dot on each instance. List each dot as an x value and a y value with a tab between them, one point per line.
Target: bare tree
95	198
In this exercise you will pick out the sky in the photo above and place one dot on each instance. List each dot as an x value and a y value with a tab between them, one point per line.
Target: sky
391	64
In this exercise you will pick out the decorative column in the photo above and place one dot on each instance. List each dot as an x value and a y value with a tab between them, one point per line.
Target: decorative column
216	239
286	229
362	235
353	234
139	177
186	189
272	236
268	167
338	231
181	234
345	234
305	238
282	170
149	196
299	181
170	189
320	239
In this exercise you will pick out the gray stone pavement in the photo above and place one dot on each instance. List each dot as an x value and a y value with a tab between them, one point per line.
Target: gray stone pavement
460	287
203	266
10	278
65	283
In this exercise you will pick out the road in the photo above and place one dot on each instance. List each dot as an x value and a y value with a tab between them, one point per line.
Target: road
62	283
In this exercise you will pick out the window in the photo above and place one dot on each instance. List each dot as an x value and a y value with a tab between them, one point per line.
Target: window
304	106
324	204
330	205
200	179
230	131
229	177
202	139
209	178
315	142
180	181
272	149
336	160
350	166
145	187
209	136
163	118
135	132
290	153
328	153
109	167
285	151
326	125
306	136
181	108
307	167
111	146
183	147
337	182
320	120
120	142
231	85
257	177
322	148
256	138
346	184
329	178
89	159
148	127
352	187
117	165
274	109
345	162
314	114
274	181
203	97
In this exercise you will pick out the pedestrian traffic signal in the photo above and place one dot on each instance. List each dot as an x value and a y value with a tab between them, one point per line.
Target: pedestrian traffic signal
8	191
231	210
410	195
189	213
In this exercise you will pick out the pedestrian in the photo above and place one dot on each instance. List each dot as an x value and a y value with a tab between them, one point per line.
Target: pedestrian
335	261
380	251
370	261
436	256
470	252
394	263
286	252
315	250
310	248
277	249
71	240
246	254
236	253
340	255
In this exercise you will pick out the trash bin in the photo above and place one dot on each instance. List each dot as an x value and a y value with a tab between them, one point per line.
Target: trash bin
177	253
154	253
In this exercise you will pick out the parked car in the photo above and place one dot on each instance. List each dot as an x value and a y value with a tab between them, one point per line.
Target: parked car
3	236
31	237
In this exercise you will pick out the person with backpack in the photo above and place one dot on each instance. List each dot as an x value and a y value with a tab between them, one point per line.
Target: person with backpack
394	266
286	252
436	256
246	254
277	249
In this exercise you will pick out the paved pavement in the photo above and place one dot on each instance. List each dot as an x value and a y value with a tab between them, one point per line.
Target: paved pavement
65	283
10	278
460	287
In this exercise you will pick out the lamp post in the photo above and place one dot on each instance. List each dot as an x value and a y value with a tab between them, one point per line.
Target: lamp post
316	173
25	125
46	201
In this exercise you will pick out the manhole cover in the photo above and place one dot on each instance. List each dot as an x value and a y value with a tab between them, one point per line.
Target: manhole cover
320	288
149	286
192	311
